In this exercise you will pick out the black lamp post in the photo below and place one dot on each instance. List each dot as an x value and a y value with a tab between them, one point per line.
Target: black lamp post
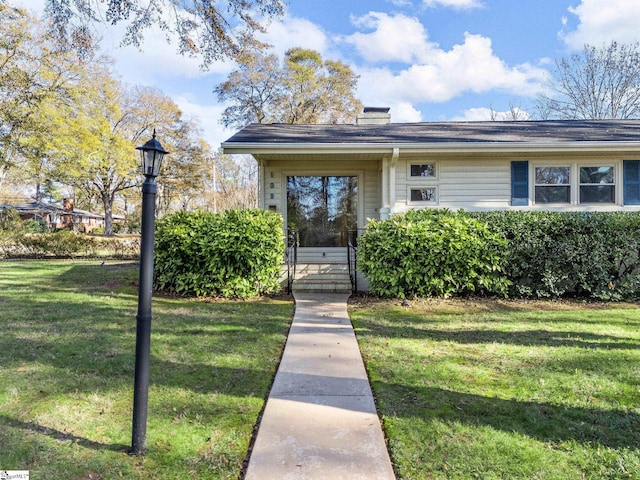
151	154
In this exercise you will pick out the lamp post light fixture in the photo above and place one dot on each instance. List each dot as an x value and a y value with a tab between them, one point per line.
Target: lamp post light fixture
151	154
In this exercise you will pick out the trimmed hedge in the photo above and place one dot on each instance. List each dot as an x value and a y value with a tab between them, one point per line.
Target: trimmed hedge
237	253
66	244
554	254
523	254
432	253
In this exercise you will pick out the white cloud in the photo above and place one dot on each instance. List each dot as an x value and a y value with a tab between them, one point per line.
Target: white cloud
484	114
394	38
207	117
295	32
404	112
442	75
601	21
155	59
457	4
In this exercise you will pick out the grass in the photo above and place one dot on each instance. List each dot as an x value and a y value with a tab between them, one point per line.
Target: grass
66	375
505	390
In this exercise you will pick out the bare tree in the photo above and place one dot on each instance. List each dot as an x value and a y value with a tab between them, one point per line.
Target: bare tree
233	183
514	114
597	83
210	29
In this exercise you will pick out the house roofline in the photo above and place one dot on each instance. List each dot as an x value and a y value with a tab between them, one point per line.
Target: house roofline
259	148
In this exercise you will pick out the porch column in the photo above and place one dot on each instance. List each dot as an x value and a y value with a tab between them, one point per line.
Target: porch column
385	207
392	181
261	184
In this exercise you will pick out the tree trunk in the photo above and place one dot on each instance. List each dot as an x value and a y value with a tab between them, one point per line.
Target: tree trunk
4	170
107	201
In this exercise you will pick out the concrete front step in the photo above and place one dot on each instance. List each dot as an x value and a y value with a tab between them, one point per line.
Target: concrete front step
322	278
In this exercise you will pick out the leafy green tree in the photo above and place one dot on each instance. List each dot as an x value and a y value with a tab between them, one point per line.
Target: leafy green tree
94	149
597	83
304	89
32	72
211	29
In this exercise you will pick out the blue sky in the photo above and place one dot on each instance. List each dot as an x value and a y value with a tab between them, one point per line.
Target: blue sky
428	60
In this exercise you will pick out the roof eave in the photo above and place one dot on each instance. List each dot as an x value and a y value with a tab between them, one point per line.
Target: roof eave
258	148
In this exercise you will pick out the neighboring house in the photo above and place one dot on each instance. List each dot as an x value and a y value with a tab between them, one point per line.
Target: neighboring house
328	179
59	216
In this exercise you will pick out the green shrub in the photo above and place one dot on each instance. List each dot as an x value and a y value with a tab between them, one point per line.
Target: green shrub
552	254
59	244
11	230
235	253
35	226
10	220
432	253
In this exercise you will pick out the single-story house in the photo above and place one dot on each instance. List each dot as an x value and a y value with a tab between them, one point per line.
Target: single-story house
327	180
59	215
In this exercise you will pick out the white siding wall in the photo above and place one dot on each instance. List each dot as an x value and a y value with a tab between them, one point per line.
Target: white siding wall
459	183
485	186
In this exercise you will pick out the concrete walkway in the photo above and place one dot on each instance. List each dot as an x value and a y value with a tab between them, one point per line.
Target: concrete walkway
320	421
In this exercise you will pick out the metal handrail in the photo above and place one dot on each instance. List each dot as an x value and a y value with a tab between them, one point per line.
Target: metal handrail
352	258
291	257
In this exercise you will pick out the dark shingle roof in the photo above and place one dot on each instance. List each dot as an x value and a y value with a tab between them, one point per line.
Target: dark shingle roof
547	132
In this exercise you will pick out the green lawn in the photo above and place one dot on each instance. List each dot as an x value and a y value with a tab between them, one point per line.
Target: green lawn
66	375
505	390
466	389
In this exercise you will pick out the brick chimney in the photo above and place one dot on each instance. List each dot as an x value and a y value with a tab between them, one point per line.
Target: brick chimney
374	116
67	205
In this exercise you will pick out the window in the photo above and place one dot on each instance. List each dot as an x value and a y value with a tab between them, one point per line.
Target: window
323	209
597	185
423	170
552	184
575	184
422	195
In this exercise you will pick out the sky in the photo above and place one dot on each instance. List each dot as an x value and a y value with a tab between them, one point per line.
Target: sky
427	60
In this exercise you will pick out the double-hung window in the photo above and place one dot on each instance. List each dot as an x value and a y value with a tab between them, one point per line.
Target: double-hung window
597	185
552	184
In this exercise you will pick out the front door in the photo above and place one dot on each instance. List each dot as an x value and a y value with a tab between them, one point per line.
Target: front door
322	209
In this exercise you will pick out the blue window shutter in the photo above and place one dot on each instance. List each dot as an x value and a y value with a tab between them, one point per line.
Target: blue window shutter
519	184
631	182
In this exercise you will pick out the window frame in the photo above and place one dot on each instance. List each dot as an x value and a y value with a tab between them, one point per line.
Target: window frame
434	201
421	178
574	181
614	183
535	183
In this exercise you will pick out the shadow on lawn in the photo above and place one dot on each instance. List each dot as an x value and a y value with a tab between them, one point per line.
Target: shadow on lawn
82	370
543	338
60	436
543	421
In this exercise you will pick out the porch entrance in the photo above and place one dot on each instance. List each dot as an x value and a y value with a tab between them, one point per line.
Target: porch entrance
322	210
